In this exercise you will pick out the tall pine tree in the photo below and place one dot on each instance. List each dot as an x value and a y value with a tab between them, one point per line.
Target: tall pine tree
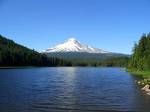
140	59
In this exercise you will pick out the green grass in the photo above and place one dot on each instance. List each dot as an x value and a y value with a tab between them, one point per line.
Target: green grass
143	74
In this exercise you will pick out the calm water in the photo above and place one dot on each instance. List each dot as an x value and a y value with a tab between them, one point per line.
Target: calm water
70	89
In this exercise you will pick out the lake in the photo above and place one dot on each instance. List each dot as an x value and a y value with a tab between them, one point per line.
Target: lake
70	89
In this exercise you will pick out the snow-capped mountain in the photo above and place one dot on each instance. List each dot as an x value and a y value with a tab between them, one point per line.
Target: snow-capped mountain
74	50
72	45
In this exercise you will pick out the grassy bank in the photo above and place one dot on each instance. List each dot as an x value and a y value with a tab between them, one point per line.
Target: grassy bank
143	74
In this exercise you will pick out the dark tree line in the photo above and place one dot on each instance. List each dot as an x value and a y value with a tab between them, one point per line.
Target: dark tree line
110	62
13	54
116	61
140	59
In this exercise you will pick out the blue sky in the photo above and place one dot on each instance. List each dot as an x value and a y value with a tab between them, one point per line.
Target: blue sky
112	25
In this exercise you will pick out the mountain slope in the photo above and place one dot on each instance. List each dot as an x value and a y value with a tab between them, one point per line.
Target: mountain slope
13	54
72	45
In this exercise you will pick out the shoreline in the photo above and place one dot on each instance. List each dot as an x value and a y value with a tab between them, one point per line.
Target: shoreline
145	79
142	74
13	67
19	67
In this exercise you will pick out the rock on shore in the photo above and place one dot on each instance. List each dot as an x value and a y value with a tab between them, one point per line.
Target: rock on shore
146	84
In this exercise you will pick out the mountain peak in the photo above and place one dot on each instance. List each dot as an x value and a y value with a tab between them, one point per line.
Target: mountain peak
72	39
72	45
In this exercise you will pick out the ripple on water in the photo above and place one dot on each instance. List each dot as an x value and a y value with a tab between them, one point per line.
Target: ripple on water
70	89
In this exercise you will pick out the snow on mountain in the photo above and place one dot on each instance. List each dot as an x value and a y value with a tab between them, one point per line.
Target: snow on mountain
72	45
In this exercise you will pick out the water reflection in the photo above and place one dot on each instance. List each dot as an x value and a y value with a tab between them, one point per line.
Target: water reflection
67	97
70	89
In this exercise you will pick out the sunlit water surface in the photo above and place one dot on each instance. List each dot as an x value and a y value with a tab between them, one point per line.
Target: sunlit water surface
70	89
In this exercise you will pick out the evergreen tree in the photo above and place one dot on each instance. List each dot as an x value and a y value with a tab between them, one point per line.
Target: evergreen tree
141	54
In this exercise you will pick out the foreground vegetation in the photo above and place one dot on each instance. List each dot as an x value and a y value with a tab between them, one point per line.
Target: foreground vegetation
140	60
139	63
142	74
